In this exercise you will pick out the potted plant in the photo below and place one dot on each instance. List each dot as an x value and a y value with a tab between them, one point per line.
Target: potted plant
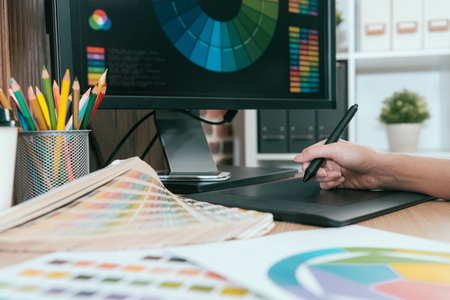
404	113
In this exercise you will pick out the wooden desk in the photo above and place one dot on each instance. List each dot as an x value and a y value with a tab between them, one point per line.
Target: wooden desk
430	220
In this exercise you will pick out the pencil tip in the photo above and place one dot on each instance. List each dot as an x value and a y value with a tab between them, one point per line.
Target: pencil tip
43	68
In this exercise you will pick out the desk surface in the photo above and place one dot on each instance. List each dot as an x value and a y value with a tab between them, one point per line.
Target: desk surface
430	220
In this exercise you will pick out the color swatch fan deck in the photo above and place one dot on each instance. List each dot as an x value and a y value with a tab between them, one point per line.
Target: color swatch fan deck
135	201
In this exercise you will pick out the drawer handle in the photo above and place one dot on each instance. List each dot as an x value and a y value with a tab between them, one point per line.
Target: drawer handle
273	137
375	28
407	27
438	25
302	137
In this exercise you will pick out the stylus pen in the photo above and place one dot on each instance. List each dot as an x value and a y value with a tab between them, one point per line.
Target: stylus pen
312	169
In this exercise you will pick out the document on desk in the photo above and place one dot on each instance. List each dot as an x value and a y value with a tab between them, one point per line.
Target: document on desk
128	275
131	209
352	262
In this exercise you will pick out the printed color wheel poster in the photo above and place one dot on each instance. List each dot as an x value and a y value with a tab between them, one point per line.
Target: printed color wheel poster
345	263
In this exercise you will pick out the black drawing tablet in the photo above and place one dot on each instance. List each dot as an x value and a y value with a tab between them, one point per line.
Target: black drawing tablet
292	200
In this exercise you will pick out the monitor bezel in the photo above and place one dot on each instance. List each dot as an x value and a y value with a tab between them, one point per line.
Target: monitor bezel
62	59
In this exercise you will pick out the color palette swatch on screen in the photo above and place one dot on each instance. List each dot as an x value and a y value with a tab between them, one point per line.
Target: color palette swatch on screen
306	7
96	64
365	273
130	275
304	60
219	45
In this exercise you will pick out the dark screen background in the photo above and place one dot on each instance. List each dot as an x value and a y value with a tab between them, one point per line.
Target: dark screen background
141	60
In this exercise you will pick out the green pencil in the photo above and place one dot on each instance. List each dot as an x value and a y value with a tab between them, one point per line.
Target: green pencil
90	106
26	113
49	95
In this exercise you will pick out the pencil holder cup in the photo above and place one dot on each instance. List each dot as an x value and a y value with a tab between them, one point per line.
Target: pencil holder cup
48	159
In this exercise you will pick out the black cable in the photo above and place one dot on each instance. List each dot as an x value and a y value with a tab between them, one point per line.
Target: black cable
110	158
227	118
149	145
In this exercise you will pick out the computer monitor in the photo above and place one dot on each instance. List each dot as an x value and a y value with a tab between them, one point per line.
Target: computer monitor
198	54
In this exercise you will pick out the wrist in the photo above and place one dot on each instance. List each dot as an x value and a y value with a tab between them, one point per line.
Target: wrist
392	175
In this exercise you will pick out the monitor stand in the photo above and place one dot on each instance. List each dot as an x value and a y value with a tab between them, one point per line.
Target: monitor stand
190	161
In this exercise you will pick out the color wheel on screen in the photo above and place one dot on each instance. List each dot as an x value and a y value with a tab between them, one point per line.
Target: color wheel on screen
223	42
365	273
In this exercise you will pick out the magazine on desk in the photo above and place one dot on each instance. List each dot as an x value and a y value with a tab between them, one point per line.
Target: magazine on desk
124	206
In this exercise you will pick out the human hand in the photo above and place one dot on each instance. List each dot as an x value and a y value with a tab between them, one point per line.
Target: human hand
346	165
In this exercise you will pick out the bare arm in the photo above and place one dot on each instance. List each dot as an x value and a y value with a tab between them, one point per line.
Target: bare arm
354	166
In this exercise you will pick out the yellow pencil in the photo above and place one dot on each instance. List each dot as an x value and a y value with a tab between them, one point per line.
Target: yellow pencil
44	108
4	100
65	89
36	109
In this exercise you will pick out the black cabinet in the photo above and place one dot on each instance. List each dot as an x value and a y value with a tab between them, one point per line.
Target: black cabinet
290	131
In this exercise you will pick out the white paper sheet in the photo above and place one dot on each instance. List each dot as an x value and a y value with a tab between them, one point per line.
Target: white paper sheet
327	264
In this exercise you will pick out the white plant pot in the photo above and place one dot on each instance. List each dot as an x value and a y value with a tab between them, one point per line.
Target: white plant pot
403	137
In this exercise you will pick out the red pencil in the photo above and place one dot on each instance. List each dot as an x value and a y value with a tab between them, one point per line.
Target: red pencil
99	99
56	95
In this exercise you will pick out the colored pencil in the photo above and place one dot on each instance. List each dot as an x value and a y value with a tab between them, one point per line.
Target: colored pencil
75	104
89	108
4	100
25	98
82	104
56	96
101	83
99	100
23	106
37	110
22	121
69	108
49	96
44	108
65	90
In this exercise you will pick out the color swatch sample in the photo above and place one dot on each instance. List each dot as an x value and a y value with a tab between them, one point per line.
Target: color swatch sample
306	7
304	60
220	46
365	273
131	275
96	64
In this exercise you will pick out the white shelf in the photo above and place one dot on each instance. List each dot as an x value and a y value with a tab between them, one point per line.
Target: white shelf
421	59
289	157
276	156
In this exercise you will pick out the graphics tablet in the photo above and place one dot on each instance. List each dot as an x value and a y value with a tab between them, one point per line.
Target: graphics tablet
292	200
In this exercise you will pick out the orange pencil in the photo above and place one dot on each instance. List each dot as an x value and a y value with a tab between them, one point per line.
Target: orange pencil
36	109
4	100
99	100
56	96
65	90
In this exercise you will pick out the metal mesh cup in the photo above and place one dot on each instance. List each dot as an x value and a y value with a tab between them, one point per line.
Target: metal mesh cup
48	159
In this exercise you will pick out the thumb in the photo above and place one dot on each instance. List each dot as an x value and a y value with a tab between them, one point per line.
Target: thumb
317	151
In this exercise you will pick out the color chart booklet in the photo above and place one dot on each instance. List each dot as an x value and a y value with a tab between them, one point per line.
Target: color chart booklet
124	206
116	275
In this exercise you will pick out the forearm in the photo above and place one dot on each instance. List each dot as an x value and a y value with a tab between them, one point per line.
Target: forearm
420	174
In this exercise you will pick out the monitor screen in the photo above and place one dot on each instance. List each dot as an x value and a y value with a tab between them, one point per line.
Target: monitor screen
200	54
